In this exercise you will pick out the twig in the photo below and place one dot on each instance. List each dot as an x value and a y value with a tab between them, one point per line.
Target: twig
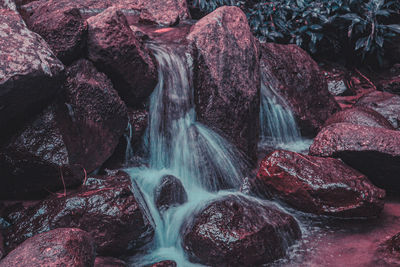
62	179
368	80
84	180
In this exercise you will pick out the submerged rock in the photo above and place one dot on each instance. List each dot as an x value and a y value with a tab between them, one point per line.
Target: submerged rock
114	49
388	253
227	77
105	207
59	247
297	78
170	192
238	231
164	264
360	116
319	185
373	151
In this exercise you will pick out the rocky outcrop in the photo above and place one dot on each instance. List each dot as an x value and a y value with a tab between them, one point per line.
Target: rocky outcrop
30	74
114	49
105	207
384	103
169	193
109	262
226	76
302	86
238	231
388	253
375	152
360	116
59	247
319	185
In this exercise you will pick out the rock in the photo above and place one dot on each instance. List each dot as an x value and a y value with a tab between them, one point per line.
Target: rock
105	207
2	251
165	12
169	193
360	116
239	231
320	185
302	86
8	5
59	247
63	28
384	103
109	262
374	152
30	74
164	264
226	77
114	49
388	253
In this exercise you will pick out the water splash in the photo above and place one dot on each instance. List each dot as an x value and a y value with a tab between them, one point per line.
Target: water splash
129	154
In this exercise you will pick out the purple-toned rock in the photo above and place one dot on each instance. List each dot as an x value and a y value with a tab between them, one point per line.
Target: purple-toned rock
384	103
319	185
302	86
109	262
164	264
227	76
8	5
30	74
105	207
238	231
59	247
63	28
114	49
360	116
169	193
373	151
388	253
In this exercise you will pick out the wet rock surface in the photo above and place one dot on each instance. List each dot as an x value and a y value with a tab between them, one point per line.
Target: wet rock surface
105	207
109	262
169	193
114	49
373	151
226	76
388	253
237	231
164	264
360	116
319	185
59	247
302	86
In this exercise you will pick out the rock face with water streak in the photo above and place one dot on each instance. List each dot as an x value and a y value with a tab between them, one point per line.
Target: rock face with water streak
226	76
105	207
237	231
297	78
169	193
114	49
373	151
319	185
59	247
360	116
30	74
388	253
384	103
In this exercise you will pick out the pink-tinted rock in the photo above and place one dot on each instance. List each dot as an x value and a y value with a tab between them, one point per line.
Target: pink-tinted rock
388	253
30	74
373	151
109	262
63	28
319	185
169	193
164	264
238	231
384	103
114	49
298	79
226	76
105	207
59	247
8	4
360	116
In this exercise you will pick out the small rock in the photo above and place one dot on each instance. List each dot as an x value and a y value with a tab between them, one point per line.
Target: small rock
170	192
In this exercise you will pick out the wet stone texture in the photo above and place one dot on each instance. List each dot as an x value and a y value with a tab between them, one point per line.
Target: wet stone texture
109	262
226	77
105	207
59	247
237	231
164	264
169	193
388	253
373	151
319	185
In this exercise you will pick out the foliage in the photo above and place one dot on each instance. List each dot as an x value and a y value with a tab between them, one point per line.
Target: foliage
361	26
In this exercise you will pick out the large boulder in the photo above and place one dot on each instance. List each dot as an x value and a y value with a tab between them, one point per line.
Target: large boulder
319	185
384	103
238	231
360	116
297	78
388	252
114	49
227	77
30	74
59	247
169	193
105	207
373	151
